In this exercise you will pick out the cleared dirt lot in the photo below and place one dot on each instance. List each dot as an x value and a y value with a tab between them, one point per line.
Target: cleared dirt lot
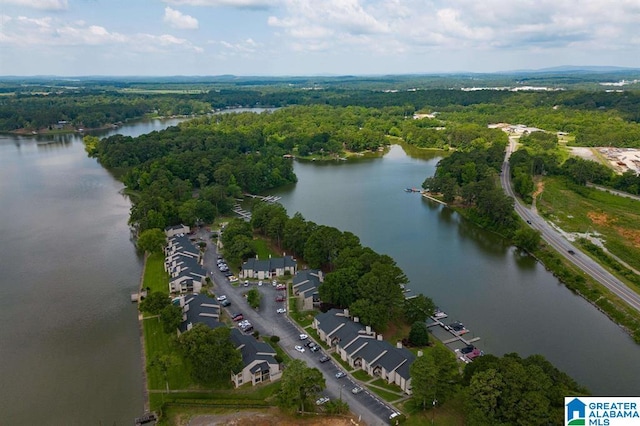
264	418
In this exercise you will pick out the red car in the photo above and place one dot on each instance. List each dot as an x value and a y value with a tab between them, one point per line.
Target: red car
281	287
280	298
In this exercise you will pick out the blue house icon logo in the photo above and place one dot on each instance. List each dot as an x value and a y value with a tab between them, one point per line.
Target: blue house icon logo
576	413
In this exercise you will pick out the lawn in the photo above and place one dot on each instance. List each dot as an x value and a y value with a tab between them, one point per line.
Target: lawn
362	375
386	395
262	249
390	387
579	209
155	277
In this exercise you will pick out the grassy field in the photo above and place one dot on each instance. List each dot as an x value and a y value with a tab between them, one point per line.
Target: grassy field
155	277
586	210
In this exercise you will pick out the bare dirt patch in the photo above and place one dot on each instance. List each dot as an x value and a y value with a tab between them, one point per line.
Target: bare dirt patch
265	418
604	220
598	218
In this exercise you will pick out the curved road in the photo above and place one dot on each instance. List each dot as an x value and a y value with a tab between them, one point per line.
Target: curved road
564	247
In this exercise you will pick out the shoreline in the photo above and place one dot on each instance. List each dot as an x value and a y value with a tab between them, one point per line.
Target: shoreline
143	351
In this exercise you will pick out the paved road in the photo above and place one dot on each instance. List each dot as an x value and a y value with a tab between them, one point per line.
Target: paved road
267	321
559	243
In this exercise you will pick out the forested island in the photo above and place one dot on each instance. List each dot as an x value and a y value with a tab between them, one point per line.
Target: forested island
193	173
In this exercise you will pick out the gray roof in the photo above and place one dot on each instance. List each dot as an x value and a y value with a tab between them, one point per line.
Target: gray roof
268	265
372	350
348	332
403	370
394	358
311	275
330	320
251	349
263	366
201	310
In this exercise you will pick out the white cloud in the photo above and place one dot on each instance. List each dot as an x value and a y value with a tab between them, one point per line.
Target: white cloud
24	32
39	4
239	4
176	19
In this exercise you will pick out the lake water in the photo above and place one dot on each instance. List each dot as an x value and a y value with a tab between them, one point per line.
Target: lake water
69	341
510	301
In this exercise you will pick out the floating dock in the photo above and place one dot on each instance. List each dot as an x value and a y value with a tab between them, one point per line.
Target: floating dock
457	336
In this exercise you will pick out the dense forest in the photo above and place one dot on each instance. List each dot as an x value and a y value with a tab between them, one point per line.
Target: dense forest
595	117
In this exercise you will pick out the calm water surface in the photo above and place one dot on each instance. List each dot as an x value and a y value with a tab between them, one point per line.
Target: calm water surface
507	299
69	345
69	337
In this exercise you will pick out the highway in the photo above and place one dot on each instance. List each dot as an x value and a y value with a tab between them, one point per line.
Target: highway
552	237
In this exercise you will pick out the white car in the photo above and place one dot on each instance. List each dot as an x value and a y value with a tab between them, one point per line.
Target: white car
221	298
233	279
281	311
340	374
274	283
260	283
322	400
303	337
299	349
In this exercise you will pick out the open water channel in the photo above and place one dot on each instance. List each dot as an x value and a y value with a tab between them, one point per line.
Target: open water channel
69	343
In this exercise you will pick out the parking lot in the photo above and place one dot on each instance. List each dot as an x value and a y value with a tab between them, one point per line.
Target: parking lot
267	321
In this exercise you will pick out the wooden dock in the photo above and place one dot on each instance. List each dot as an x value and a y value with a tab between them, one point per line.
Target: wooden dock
457	337
266	199
425	195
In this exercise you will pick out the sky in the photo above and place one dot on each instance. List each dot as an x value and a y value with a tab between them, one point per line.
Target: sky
312	37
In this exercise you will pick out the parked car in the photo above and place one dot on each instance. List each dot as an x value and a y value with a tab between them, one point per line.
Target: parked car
280	298
314	348
299	348
225	303
356	390
340	374
324	358
322	400
281	311
246	283
233	279
274	283
281	287
303	337
221	298
260	283
238	318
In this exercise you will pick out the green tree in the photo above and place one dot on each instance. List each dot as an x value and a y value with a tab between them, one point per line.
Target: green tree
527	238
484	396
164	363
299	386
152	240
253	298
418	308
339	287
154	303
434	376
171	317
419	334
211	353
423	380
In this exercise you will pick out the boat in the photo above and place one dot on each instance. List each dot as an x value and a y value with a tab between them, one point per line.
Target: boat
459	328
408	190
439	314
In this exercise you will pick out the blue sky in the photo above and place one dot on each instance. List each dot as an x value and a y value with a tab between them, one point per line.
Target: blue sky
312	37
